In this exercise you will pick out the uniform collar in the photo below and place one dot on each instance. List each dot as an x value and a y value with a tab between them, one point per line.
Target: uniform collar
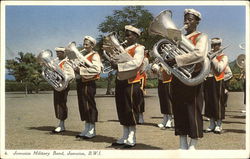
88	54
192	34
131	46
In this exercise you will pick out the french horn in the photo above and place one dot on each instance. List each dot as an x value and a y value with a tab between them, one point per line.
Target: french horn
174	44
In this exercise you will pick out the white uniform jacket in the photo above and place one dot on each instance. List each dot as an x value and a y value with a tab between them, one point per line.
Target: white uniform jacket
199	53
137	60
95	69
66	67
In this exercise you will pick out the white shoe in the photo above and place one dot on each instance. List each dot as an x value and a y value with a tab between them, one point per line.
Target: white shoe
124	138
192	144
183	142
85	131
161	125
91	131
58	129
141	120
211	126
169	124
131	136
218	130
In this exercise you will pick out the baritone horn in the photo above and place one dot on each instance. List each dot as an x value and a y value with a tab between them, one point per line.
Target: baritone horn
75	56
76	59
51	72
109	69
174	44
240	61
115	52
111	48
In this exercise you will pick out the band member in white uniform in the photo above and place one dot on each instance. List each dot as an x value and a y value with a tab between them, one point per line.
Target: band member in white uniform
86	88
143	81
228	76
165	95
60	98
127	92
214	89
187	100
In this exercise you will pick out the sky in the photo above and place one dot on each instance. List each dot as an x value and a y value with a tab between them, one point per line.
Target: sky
33	28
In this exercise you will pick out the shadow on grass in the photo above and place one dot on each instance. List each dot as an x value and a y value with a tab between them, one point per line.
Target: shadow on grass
138	146
112	120
233	122
97	138
234	131
110	140
143	124
104	96
237	116
156	117
49	130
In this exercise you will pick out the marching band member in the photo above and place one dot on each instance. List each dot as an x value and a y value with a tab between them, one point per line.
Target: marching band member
142	87
164	94
86	88
214	89
60	98
127	92
187	100
228	76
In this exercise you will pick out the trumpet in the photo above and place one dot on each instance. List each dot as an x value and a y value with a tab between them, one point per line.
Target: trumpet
212	54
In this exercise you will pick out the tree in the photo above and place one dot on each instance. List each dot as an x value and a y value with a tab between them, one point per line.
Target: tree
25	69
130	15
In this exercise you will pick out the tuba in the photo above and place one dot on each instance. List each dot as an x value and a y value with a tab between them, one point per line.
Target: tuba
174	44
51	72
114	51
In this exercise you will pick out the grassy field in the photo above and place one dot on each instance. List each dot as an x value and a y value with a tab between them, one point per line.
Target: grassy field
30	119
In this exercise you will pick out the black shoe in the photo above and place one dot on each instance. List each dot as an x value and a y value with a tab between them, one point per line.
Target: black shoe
116	144
128	146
